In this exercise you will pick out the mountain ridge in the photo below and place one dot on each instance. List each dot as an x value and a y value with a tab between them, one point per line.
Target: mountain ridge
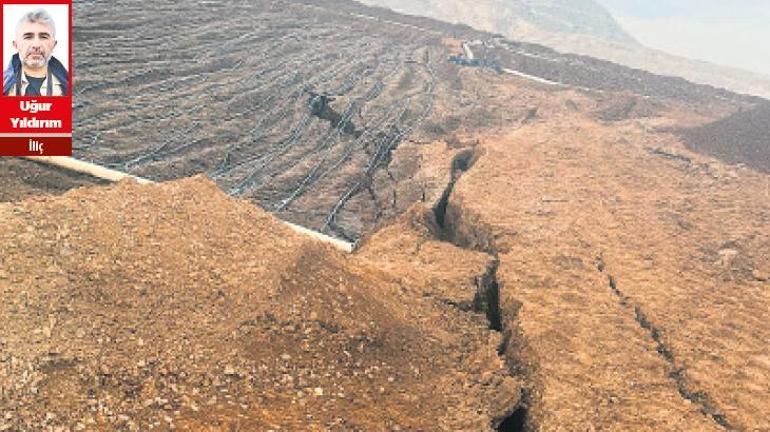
584	27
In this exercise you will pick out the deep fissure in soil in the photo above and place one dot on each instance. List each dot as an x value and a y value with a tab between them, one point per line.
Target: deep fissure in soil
516	422
487	297
460	164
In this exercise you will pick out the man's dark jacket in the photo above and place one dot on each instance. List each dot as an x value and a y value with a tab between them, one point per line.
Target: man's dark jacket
12	75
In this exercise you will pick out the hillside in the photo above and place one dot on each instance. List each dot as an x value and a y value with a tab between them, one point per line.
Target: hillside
545	241
581	27
302	110
636	275
740	138
527	19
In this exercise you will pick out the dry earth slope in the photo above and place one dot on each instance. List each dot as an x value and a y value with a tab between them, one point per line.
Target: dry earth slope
582	27
534	256
637	282
153	307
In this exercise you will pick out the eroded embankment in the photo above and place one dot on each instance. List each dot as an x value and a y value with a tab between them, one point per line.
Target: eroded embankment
452	221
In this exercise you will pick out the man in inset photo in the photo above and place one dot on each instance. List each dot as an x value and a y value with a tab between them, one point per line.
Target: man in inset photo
33	71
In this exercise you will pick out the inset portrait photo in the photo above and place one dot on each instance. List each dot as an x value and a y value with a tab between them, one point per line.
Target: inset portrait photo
36	50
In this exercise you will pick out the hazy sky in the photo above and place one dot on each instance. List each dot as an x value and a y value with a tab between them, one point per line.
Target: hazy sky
729	32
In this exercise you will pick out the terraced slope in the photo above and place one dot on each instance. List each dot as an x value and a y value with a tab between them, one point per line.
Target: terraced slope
580	27
271	100
298	106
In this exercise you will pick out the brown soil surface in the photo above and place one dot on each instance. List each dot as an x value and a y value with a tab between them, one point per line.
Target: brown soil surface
136	307
533	257
634	276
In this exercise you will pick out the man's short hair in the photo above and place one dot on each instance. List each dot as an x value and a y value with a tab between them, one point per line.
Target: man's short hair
38	16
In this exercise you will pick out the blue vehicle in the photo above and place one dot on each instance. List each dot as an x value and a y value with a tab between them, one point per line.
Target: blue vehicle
486	64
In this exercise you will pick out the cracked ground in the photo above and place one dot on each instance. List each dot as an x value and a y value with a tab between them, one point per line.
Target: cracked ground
589	255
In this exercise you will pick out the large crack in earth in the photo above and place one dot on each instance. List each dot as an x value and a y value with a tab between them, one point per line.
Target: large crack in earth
677	372
487	297
462	162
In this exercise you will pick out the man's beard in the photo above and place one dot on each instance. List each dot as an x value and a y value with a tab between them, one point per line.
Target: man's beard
35	62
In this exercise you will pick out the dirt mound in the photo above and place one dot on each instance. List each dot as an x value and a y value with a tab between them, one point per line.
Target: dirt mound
740	138
152	307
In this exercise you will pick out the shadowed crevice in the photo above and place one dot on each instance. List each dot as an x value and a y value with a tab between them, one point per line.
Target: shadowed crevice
487	297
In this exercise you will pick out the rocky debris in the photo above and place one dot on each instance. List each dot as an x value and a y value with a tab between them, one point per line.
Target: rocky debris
761	275
178	307
726	257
